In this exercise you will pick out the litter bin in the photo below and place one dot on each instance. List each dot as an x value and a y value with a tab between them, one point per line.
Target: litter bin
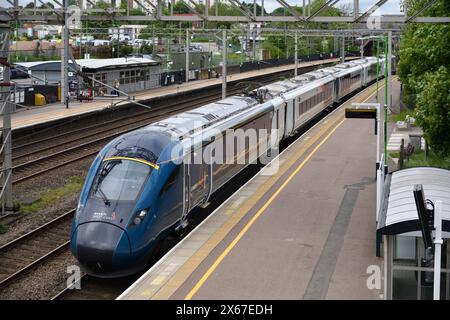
39	99
416	141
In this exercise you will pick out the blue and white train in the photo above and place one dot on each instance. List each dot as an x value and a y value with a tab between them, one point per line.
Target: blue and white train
135	195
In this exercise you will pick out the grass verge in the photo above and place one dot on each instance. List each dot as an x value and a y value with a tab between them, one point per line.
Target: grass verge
3	228
401	116
50	197
417	159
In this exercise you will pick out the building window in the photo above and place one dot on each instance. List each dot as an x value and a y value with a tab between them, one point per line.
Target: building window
122	77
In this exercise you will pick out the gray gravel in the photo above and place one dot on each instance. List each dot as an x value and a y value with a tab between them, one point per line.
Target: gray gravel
42	283
49	279
30	191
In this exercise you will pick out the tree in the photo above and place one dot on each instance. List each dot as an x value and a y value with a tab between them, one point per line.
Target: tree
146	48
427	43
424	70
180	7
433	109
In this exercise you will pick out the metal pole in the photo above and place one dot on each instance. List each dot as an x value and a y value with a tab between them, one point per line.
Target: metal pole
362	49
447	274
286	42
6	130
388	261
303	10
355	8
379	172
187	56
296	54
254	44
153	42
65	58
437	250
378	68
386	93
389	70
343	49
224	64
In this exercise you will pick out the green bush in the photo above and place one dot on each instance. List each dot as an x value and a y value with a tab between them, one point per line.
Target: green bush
433	109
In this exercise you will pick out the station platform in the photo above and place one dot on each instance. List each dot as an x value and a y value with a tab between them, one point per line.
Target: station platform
305	232
36	115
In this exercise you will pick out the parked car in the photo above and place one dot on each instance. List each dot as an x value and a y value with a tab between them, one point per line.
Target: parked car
19	72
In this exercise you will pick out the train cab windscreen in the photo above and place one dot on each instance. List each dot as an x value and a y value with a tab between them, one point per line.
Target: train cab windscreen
120	179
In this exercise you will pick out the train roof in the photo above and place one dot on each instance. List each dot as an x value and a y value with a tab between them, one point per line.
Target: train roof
191	121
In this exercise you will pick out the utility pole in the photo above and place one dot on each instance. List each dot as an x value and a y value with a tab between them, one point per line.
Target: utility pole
187	55
296	54
224	63
387	92
254	32
362	48
5	105
386	84
65	58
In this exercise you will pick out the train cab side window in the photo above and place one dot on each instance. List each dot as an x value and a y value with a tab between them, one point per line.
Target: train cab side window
171	180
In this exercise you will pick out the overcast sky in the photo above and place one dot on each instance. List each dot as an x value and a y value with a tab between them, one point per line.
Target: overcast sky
390	7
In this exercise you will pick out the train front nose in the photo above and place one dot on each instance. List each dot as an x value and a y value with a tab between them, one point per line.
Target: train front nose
101	248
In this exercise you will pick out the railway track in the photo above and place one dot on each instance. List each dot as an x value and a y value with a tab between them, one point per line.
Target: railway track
31	159
27	252
97	289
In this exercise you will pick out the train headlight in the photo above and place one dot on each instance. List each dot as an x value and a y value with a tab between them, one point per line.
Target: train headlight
140	216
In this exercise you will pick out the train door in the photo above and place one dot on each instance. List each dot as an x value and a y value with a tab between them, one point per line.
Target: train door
338	88
208	167
289	123
199	178
275	135
186	187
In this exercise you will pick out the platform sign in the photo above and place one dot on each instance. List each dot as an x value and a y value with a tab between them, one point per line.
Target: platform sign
361	111
425	216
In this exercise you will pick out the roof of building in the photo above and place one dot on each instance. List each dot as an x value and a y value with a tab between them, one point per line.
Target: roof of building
31	46
399	213
115	62
90	64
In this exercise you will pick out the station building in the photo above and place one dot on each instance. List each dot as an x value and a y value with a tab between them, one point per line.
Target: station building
133	74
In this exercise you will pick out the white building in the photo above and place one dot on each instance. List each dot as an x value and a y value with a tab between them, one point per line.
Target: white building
126	32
